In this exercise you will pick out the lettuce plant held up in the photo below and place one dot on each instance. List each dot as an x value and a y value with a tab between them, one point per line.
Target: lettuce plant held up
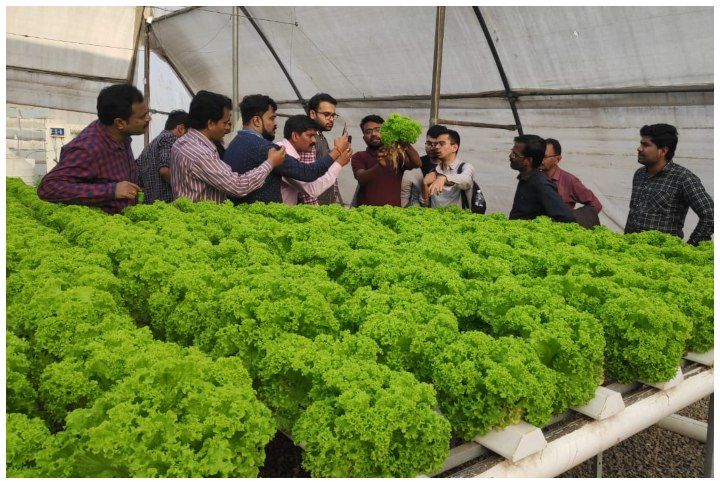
396	134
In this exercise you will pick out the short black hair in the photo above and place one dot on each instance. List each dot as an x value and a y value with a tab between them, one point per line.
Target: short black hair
436	130
314	102
299	124
663	135
116	102
555	144
255	105
176	118
534	147
454	136
207	106
371	118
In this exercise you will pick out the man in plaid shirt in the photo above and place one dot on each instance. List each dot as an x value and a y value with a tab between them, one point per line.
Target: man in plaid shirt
663	191
154	161
97	167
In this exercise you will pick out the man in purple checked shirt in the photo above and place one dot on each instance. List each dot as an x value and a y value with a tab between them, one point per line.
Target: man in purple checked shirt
98	168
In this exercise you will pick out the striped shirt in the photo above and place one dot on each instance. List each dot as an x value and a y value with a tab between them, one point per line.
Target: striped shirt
197	173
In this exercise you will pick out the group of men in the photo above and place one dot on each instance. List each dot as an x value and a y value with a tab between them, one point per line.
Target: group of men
188	159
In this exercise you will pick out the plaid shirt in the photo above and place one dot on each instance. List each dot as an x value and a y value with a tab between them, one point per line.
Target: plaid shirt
90	167
155	156
661	202
332	194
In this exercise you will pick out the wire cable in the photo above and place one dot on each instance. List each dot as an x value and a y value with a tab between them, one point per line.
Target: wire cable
230	15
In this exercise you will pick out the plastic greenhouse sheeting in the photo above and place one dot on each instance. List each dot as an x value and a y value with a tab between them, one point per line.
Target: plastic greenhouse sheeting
359	54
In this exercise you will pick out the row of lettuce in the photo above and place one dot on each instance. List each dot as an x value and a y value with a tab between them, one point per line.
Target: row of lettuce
370	334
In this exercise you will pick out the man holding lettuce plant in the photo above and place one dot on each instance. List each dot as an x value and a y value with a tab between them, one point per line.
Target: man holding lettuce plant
379	169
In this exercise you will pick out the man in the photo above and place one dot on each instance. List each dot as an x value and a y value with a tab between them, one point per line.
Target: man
321	109
430	159
97	167
570	188
154	161
378	181
411	187
663	191
536	195
300	138
196	171
445	185
247	151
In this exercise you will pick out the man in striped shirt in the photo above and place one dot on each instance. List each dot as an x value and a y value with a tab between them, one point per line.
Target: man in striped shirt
197	172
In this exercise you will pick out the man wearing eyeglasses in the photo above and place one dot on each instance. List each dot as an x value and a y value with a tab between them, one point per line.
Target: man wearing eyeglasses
570	188
411	188
536	195
321	109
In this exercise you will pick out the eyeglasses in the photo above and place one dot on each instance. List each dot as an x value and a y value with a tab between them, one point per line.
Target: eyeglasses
516	155
431	144
330	115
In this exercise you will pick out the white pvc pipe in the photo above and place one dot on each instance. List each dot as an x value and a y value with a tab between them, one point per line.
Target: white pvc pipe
688	427
574	448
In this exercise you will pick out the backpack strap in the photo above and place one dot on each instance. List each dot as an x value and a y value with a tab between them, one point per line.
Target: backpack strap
463	195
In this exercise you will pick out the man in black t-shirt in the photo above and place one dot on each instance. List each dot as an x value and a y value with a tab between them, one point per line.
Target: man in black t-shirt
536	194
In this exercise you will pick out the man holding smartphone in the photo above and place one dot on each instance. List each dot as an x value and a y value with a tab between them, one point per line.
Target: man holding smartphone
321	109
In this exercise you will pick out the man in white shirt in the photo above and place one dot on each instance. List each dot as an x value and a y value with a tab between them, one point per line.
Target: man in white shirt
443	187
300	137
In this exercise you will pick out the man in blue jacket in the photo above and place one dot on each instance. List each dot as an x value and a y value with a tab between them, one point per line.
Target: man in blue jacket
251	144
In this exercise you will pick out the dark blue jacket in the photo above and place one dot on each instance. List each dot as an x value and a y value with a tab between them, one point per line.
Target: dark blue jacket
248	150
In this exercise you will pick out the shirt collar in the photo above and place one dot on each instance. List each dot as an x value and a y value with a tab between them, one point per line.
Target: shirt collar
556	175
252	131
289	148
201	138
105	134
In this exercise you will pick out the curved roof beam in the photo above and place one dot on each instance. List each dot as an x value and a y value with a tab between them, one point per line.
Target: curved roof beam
274	54
511	97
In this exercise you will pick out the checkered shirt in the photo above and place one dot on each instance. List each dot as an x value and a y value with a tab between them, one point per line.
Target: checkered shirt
661	202
155	156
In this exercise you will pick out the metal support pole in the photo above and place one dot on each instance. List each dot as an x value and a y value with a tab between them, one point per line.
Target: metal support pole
598	465
235	54
146	94
437	65
708	470
511	96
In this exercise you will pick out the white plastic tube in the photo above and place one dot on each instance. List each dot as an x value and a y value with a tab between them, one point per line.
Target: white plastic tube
574	448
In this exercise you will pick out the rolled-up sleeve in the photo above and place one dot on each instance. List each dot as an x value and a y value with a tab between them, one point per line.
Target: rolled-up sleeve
464	180
220	175
317	187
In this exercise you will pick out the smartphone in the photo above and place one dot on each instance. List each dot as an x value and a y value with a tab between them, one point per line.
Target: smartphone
349	138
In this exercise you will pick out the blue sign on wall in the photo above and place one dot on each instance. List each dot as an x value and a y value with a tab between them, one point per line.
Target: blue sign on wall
57	131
